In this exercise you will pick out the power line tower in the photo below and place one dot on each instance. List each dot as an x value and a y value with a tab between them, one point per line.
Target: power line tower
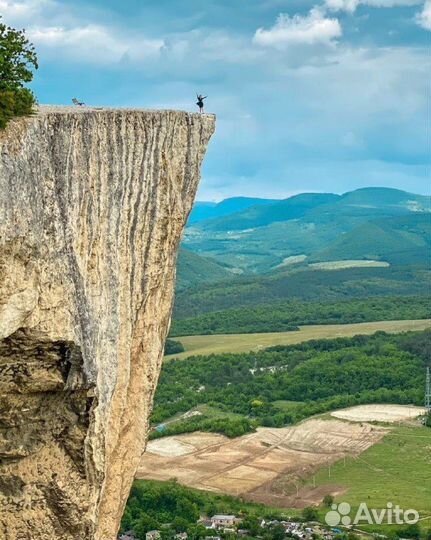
428	391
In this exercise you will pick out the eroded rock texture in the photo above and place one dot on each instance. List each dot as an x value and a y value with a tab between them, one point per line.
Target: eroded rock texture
92	206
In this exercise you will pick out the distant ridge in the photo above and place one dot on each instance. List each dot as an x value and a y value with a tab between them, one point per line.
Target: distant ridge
207	210
372	223
263	214
370	200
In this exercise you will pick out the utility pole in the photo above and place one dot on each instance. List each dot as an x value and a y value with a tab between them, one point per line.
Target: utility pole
428	391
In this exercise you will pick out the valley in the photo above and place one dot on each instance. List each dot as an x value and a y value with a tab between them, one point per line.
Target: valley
244	343
296	369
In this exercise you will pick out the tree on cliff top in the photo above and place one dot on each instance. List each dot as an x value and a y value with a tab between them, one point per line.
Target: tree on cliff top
17	61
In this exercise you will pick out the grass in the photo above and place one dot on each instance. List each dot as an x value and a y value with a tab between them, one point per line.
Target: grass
205	410
214	412
397	470
285	405
238	343
337	265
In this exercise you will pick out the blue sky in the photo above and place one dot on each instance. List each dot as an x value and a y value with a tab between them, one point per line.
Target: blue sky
324	95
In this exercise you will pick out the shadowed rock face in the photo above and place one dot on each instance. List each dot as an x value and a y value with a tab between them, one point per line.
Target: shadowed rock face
92	206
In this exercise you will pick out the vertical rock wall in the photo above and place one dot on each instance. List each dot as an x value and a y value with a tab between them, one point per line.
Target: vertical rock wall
92	206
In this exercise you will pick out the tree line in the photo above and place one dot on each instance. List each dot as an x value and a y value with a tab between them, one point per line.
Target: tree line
285	384
287	316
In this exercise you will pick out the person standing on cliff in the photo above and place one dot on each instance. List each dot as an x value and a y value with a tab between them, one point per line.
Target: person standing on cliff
200	102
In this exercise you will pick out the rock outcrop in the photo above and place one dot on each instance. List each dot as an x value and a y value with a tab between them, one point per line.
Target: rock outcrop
92	206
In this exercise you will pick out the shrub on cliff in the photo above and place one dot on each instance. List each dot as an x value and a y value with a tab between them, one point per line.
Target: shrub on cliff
17	61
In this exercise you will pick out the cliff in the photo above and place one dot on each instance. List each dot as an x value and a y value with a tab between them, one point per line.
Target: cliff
92	207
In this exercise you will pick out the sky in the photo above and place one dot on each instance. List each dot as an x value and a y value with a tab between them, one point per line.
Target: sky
317	96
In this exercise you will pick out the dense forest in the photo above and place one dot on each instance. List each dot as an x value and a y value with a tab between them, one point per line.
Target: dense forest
305	285
285	316
284	384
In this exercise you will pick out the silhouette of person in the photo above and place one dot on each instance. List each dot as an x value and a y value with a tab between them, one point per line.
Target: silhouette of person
200	102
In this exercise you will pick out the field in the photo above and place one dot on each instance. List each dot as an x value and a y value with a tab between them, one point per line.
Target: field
297	466
237	343
396	470
380	413
273	466
338	265
250	464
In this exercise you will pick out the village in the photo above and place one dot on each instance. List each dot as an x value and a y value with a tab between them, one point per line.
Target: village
225	526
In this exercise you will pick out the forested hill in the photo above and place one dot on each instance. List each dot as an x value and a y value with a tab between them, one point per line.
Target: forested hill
312	247
285	316
194	270
373	224
209	210
285	384
370	202
307	285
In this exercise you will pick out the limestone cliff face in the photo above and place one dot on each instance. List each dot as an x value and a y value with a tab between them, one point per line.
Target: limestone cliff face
92	206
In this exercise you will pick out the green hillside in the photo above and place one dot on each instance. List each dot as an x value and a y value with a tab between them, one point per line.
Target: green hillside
398	240
285	316
193	269
208	210
319	226
386	197
257	216
304	285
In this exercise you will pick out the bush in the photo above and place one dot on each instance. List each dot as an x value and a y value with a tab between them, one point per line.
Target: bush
173	347
310	514
328	500
17	60
15	103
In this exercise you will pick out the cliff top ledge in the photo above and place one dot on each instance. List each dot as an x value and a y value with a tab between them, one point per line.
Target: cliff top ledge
67	109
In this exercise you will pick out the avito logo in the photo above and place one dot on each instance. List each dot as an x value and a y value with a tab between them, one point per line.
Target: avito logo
392	514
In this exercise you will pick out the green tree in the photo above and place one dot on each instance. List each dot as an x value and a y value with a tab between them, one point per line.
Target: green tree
144	524
17	61
252	524
277	532
411	531
173	346
328	500
187	510
310	514
180	524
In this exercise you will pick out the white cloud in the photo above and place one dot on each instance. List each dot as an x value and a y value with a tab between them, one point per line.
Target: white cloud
56	31
94	43
424	17
312	29
351	5
23	10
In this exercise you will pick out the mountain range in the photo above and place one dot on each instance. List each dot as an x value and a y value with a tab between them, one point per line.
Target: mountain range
203	210
374	224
